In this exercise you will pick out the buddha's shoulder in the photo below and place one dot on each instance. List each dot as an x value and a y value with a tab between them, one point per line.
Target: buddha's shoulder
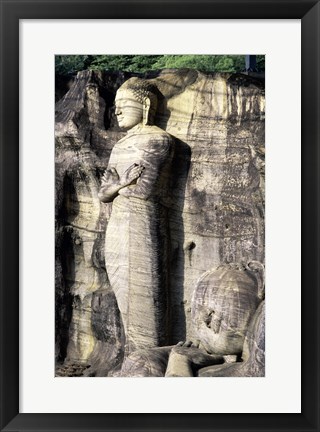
156	134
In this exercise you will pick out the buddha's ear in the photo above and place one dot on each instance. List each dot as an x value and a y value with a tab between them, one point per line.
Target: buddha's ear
146	111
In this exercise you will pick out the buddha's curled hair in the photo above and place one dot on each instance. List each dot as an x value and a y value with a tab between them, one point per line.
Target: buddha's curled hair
141	89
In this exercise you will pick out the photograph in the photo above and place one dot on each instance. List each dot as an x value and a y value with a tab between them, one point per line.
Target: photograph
160	215
159	211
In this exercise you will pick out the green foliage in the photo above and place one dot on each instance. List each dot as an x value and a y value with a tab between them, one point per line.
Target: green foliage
261	62
129	63
206	63
69	64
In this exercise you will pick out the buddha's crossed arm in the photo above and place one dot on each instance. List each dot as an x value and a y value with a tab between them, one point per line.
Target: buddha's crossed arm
154	162
112	183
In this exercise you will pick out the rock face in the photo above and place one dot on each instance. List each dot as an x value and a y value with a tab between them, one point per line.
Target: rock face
214	202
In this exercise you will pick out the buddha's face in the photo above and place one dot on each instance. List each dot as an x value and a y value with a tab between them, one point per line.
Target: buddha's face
129	111
223	303
216	337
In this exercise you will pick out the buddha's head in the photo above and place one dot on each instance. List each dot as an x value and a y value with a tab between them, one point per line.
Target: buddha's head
136	103
223	304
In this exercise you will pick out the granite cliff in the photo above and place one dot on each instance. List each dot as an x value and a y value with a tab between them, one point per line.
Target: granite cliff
215	201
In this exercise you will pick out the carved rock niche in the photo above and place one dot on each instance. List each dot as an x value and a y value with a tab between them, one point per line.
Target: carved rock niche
203	142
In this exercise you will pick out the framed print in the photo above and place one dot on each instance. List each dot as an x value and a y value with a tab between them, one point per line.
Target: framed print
43	391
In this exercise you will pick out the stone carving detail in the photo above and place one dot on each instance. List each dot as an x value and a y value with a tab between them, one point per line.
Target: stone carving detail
158	179
253	356
223	304
228	316
136	245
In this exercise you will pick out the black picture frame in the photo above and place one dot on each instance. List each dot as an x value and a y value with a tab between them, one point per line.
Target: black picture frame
11	11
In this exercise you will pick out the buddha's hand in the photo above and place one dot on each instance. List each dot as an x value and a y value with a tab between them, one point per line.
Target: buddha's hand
195	355
131	174
110	176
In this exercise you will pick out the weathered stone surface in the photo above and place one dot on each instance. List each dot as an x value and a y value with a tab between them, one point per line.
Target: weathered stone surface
230	326
254	344
146	363
185	360
253	356
107	328
214	200
188	360
223	303
80	222
217	202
